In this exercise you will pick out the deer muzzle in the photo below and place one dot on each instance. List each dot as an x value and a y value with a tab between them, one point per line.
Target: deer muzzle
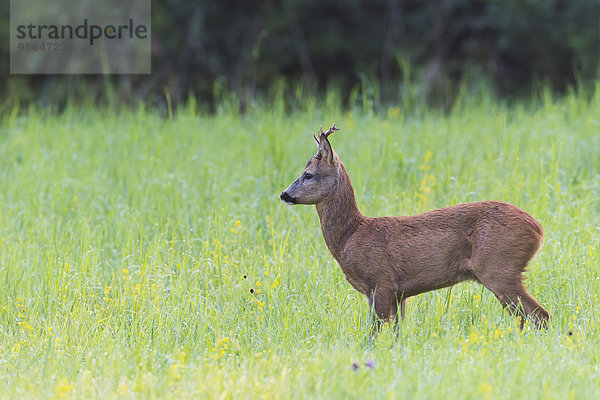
287	198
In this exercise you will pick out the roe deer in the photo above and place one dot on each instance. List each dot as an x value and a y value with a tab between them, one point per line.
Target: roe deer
389	259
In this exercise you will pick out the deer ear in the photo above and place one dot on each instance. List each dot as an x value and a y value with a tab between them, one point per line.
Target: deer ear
325	149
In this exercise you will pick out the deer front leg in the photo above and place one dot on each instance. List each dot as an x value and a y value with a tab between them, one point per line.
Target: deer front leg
383	306
403	309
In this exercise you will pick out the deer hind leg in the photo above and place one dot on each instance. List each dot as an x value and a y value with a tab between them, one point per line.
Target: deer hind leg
512	294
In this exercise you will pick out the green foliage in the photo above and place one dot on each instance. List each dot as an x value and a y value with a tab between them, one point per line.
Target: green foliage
245	47
143	256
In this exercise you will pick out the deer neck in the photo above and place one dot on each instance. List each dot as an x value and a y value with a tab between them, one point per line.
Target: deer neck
339	216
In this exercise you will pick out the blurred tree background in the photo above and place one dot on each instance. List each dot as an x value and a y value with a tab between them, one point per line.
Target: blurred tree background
392	49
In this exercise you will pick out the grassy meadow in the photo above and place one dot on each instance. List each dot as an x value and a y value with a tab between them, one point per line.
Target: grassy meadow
149	256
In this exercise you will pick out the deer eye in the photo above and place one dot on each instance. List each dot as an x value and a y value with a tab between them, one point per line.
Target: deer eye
307	176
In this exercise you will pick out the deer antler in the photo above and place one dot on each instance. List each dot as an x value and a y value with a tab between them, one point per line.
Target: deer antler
329	131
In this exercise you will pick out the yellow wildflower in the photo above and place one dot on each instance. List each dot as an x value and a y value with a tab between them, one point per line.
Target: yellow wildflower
122	389
427	156
237	226
63	388
485	389
473	338
393	112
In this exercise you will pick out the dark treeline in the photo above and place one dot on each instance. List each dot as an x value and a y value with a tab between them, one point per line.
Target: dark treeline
207	48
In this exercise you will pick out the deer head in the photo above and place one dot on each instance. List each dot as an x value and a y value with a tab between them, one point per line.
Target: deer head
320	176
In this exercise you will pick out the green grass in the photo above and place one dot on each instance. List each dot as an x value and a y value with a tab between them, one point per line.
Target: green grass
130	244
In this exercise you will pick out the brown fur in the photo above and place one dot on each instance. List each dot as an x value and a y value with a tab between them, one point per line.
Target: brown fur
389	259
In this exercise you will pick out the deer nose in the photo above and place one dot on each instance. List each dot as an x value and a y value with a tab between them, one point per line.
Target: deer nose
287	198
